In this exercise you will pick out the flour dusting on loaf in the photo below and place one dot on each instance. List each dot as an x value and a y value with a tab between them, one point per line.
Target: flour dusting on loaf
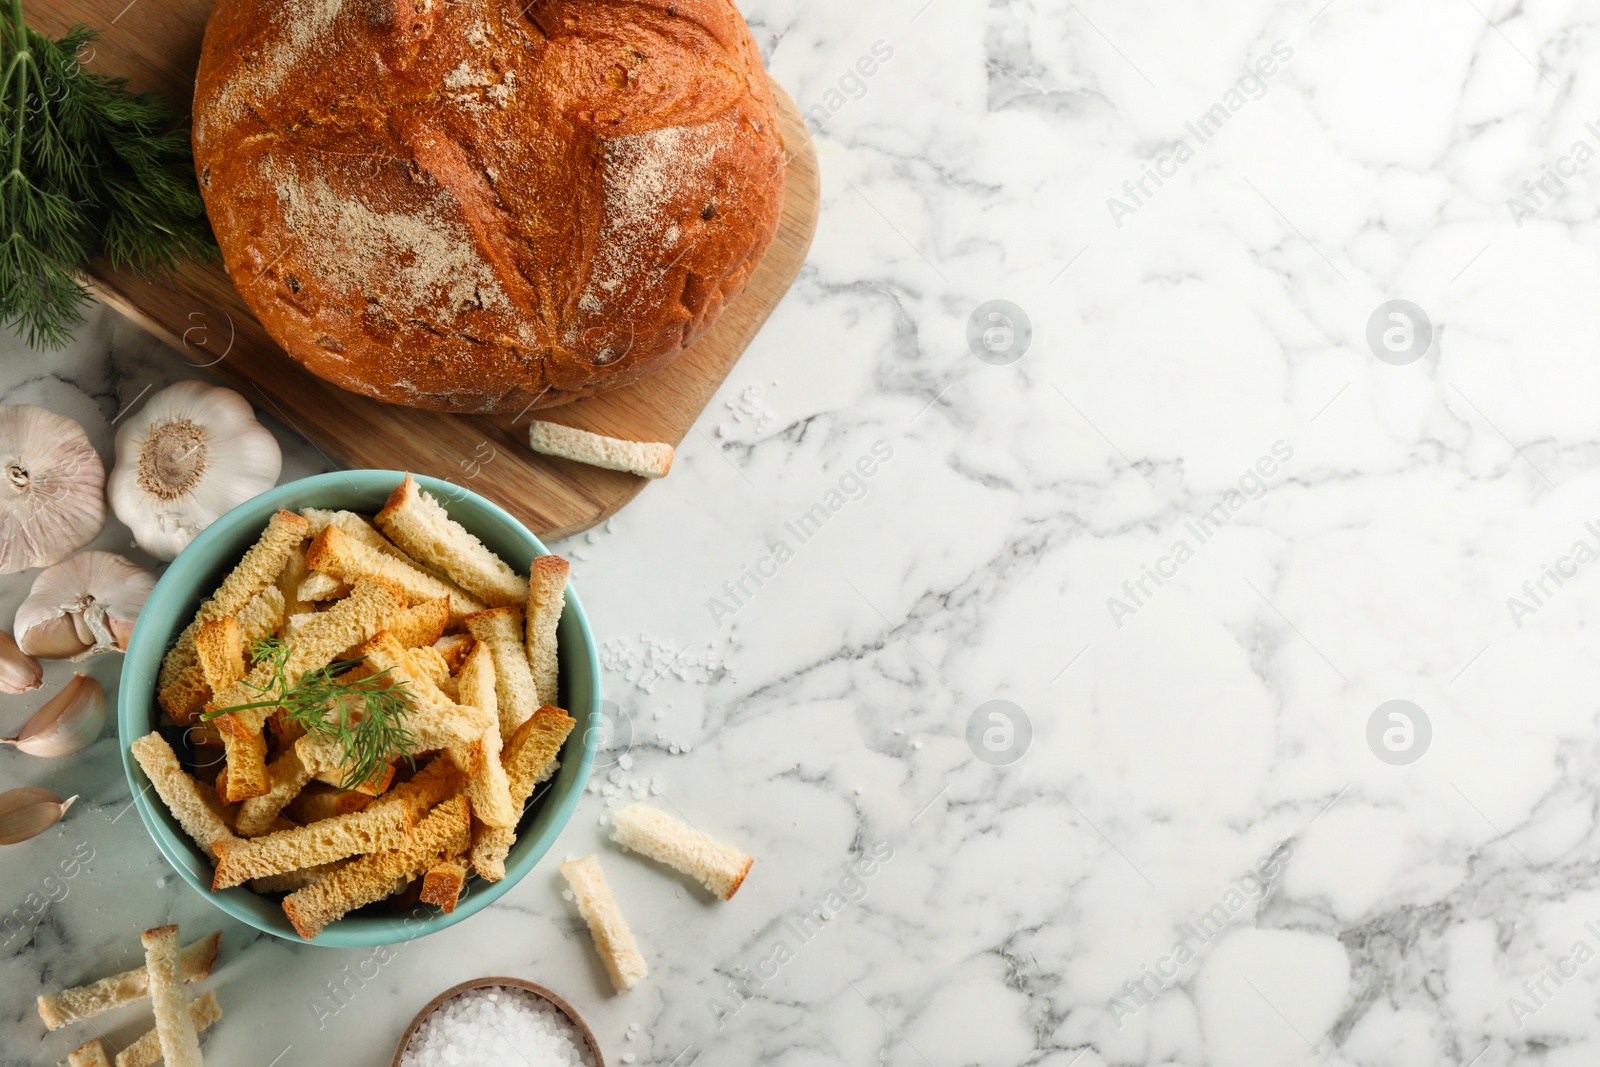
406	259
305	25
479	206
643	173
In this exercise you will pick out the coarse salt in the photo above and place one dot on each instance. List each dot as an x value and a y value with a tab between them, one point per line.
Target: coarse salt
495	1026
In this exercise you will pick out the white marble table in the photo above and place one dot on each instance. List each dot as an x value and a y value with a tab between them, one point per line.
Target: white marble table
1198	532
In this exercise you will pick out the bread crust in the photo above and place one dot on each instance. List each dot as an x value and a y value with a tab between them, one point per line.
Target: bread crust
484	206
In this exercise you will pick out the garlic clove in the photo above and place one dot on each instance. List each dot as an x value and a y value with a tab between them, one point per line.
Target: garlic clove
28	812
52	488
192	453
19	672
69	722
83	607
121	633
55	638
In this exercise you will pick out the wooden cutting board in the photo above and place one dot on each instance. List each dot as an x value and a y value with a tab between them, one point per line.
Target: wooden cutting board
156	43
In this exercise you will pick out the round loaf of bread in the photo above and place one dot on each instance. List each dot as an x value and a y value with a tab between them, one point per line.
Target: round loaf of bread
486	205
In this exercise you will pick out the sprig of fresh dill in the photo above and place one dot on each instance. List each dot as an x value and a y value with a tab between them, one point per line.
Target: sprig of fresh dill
365	716
87	168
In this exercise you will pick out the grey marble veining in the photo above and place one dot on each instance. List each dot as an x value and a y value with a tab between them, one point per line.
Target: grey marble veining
1198	533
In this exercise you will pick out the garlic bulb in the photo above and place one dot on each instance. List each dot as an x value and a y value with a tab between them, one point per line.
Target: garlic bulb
69	722
28	812
84	606
19	672
192	453
52	483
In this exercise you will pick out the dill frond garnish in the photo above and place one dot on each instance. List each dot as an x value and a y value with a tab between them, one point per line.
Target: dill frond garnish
86	168
364	716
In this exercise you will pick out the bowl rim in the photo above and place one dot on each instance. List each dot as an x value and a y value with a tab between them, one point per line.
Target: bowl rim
185	572
560	1003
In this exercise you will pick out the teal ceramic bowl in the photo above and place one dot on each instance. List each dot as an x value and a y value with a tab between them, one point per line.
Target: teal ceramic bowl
196	573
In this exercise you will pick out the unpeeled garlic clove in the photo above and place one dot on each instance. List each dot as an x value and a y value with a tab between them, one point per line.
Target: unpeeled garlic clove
52	488
83	607
69	722
55	638
19	672
121	633
28	812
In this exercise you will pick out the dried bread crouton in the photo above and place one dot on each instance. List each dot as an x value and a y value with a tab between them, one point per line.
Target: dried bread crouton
489	789
441	885
256	571
515	693
246	750
91	1054
315	588
648	459
547	598
357	526
319	801
446	830
372	830
455	648
335	552
196	810
719	867
146	1051
180	1044
417	522
286	776
530	758
86	1001
221	652
260	617
289	881
289	579
420	624
426	662
612	937
324	759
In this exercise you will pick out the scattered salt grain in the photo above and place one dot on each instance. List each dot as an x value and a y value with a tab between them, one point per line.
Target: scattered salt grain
491	1027
917	743
748	407
653	660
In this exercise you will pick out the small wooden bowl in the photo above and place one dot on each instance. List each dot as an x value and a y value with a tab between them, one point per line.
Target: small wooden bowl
512	983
